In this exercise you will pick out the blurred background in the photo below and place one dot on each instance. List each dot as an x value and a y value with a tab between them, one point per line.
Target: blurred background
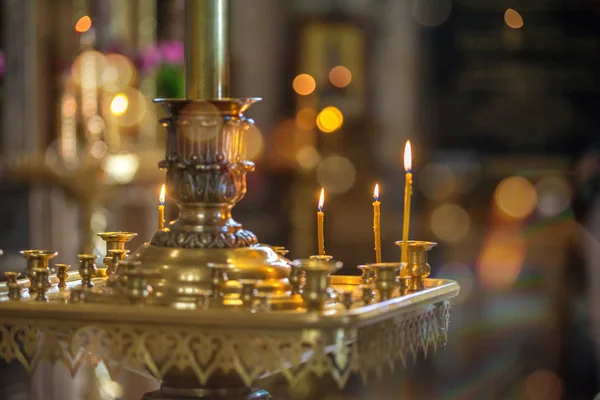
499	98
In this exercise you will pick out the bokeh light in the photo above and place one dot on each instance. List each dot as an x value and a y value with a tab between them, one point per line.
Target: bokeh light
336	174
306	118
516	197
95	124
462	274
88	67
119	104
554	196
340	76
543	385
513	19
129	107
450	222
330	119
118	73
308	157
501	258
437	181
431	13
304	84
254	143
121	168
83	24
69	106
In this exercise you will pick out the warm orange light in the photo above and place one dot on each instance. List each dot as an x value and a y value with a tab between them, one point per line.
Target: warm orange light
407	157
513	19
304	84
83	24
322	199
340	76
161	198
376	192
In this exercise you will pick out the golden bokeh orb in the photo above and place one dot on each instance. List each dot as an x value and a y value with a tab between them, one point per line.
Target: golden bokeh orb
119	104
304	84
330	119
516	197
513	19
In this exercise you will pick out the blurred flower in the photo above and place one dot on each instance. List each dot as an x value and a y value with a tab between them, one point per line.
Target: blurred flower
167	52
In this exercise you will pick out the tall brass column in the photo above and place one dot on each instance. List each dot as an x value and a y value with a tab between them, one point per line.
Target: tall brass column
207	49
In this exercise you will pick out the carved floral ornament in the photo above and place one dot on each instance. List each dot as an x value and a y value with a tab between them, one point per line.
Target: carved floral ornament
251	354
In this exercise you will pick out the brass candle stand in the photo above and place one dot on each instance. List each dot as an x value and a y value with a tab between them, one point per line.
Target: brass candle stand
204	307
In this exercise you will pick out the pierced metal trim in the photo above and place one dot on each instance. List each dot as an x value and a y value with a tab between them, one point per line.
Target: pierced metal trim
251	354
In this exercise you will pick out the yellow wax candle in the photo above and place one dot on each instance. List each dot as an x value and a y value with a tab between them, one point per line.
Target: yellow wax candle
407	195
320	220
161	208
377	223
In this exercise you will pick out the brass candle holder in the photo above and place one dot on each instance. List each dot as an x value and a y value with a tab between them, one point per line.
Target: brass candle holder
367	274
14	289
417	269
87	269
36	259
62	275
315	292
216	348
41	283
386	279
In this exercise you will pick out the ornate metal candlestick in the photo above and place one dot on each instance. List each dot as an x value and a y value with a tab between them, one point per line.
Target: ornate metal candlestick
177	308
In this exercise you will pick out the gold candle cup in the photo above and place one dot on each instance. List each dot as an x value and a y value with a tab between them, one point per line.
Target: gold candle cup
417	269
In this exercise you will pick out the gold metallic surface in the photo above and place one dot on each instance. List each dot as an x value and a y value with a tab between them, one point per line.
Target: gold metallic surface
417	268
207	49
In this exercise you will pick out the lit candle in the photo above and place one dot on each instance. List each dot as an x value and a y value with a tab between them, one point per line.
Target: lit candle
320	219
377	223
161	208
407	195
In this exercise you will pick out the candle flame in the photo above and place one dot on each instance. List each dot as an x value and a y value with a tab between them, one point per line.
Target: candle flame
161	198
407	157
376	192
322	199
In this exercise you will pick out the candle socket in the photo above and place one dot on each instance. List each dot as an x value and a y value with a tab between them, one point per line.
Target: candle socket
62	275
87	269
41	282
346	298
113	258
368	294
218	281
367	274
14	289
316	290
123	269
249	292
36	259
417	268
386	279
295	279
115	241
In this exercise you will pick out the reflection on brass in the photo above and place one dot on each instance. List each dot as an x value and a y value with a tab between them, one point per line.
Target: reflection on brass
87	269
137	286
315	291
346	298
417	268
368	294
207	49
249	292
124	269
62	274
41	283
14	289
36	259
386	278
